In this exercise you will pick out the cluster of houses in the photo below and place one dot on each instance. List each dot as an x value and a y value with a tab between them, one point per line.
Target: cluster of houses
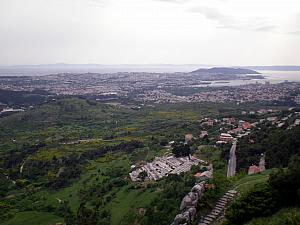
239	128
284	122
163	166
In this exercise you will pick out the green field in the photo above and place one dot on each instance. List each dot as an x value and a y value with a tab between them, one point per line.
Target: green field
123	200
33	218
249	181
126	201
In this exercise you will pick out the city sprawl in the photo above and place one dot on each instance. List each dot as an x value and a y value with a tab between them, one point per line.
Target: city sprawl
158	87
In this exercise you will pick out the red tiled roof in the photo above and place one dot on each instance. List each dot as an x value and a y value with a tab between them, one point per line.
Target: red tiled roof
197	174
246	125
253	169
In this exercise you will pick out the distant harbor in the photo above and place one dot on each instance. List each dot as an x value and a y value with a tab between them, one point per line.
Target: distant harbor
272	77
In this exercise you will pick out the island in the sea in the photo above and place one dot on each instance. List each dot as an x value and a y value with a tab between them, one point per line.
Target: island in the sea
226	73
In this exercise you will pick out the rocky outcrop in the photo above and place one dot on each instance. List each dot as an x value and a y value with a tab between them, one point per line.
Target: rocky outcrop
183	218
199	189
190	200
189	204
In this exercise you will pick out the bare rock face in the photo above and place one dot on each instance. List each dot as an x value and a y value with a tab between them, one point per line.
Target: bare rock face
185	202
199	189
186	216
190	200
189	204
195	198
192	212
183	218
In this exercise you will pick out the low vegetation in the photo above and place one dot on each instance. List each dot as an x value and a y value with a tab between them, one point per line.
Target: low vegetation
265	198
68	161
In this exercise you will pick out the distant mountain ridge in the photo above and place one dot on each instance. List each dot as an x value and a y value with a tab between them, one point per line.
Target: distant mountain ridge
225	71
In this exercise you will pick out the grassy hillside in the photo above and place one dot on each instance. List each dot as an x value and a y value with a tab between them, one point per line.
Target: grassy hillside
248	182
264	198
286	216
71	157
87	143
33	217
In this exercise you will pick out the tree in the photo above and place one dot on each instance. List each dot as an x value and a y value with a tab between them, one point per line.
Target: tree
181	150
86	216
163	142
260	201
142	175
287	182
68	215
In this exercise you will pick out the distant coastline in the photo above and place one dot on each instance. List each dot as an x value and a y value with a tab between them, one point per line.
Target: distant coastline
271	76
39	70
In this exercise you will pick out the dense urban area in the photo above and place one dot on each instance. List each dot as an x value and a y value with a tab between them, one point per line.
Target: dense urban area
156	87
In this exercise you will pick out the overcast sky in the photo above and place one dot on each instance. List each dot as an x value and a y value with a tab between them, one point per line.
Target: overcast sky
223	32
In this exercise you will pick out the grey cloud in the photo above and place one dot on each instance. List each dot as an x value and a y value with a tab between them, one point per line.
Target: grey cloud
294	32
172	1
229	22
98	3
265	28
248	26
227	27
91	3
213	14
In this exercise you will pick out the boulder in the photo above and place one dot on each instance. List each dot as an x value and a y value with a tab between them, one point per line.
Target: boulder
190	200
182	218
192	211
199	189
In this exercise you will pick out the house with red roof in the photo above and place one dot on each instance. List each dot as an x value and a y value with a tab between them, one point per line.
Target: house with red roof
253	170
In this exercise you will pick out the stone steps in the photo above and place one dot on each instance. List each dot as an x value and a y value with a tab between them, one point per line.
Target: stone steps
206	221
211	216
208	218
214	213
219	208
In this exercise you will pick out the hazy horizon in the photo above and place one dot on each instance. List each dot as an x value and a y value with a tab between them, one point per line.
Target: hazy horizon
146	64
36	70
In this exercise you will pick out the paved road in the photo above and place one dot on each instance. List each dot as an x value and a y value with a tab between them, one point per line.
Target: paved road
232	161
